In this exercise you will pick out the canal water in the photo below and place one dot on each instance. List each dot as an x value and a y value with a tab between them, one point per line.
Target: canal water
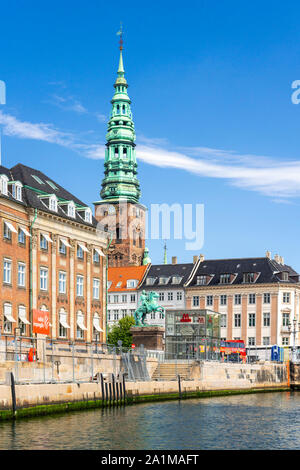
258	421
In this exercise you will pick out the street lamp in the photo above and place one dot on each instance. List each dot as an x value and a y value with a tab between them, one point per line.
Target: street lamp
293	329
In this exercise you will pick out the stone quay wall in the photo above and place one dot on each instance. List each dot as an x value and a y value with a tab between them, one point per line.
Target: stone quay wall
205	377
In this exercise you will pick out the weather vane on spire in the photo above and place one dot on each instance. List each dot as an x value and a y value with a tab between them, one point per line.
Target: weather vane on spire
120	33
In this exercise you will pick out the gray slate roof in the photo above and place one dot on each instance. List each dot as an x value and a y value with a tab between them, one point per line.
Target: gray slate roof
32	188
269	270
167	270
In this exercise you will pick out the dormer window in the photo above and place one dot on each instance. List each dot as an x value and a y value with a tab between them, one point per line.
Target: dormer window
71	209
225	278
176	279
3	184
150	281
53	203
249	277
164	280
88	215
132	283
285	276
201	280
16	190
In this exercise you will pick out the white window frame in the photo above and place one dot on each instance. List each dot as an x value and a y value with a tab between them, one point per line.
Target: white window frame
96	288
79	285
62	282
4	184
7	271
71	210
43	278
53	203
21	274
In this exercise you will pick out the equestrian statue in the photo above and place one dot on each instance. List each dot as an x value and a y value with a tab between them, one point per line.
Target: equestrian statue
147	304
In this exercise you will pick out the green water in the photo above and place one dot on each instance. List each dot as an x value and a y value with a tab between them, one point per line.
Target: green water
258	421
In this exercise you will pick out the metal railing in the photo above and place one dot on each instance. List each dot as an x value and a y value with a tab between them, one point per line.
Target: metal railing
43	360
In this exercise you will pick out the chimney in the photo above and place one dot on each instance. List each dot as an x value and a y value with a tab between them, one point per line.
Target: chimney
174	259
195	259
281	260
276	258
268	254
202	258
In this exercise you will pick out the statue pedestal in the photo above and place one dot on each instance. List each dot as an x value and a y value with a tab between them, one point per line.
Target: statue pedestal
150	336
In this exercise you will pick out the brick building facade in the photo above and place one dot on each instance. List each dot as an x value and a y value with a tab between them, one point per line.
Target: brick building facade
51	258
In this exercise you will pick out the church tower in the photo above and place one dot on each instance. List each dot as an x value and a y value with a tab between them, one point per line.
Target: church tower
120	210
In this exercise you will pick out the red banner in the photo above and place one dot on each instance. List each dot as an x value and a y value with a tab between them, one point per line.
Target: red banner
40	322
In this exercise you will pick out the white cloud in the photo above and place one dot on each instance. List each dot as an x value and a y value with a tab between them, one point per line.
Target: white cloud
274	178
38	131
262	174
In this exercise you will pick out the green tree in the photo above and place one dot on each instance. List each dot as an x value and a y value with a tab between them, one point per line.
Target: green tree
121	331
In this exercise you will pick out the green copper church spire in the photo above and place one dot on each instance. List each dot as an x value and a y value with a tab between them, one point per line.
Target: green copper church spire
120	181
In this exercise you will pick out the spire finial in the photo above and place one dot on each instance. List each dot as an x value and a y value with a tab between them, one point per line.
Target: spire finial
120	33
165	253
121	66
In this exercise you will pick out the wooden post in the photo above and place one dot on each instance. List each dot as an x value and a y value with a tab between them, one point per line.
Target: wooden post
102	387
179	387
124	388
121	391
113	387
13	394
110	394
106	392
117	387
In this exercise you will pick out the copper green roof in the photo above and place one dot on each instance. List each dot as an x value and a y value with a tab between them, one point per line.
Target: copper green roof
120	166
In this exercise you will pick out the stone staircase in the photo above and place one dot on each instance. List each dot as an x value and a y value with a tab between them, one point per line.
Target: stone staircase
171	370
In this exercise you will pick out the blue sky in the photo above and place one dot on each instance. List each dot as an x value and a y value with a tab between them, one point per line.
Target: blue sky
210	84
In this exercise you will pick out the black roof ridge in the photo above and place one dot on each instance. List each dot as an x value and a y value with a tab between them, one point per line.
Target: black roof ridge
170	264
233	259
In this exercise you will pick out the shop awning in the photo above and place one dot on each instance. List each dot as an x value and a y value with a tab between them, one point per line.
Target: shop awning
65	242
63	320
47	238
10	226
96	325
22	316
8	314
24	230
84	248
80	323
100	253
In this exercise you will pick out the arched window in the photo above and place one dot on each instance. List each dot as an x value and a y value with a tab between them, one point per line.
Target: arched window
8	318
118	109
22	319
134	237
96	327
123	109
118	233
140	239
80	327
63	324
